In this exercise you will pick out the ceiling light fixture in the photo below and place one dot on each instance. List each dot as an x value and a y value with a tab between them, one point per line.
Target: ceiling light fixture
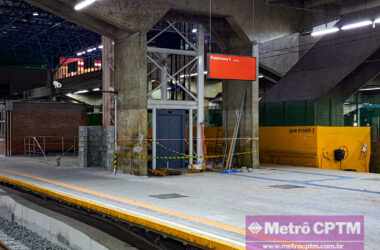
91	50
81	92
360	24
370	89
377	21
324	32
83	4
35	14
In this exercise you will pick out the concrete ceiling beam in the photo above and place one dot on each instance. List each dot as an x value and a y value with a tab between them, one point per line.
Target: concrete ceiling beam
120	18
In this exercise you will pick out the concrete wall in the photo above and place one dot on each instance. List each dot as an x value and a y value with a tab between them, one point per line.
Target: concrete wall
280	54
57	228
96	146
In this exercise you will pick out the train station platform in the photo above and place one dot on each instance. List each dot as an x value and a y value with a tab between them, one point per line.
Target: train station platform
206	209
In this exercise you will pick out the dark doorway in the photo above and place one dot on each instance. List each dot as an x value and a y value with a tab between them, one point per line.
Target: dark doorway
171	138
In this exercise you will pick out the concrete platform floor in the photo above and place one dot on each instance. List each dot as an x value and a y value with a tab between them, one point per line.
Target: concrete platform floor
216	204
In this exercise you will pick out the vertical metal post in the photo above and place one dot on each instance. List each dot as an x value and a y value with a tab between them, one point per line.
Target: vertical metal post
200	92
164	78
10	133
190	138
255	109
115	122
358	108
154	137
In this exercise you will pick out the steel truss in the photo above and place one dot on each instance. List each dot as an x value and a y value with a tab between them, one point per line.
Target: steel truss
172	70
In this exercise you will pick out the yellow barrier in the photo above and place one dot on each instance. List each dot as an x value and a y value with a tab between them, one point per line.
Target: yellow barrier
314	146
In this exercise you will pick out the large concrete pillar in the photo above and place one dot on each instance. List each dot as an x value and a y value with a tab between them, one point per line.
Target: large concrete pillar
107	80
233	95
132	121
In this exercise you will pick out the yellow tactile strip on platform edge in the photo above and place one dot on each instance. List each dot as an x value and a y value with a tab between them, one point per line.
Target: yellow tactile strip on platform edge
197	238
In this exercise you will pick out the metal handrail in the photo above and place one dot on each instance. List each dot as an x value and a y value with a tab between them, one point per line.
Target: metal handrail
45	143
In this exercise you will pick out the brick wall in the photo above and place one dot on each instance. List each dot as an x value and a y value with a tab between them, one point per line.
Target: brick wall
46	119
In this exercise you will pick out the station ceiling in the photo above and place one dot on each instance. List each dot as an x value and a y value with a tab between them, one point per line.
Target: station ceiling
31	36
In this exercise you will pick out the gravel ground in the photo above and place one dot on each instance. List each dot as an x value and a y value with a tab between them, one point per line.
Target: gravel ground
28	238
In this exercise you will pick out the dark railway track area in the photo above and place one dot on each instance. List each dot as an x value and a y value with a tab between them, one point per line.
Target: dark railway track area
133	235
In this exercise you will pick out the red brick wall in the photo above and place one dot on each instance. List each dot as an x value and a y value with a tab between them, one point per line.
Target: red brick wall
45	119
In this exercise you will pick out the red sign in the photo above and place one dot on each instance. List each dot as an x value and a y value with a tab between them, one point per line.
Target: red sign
66	61
232	67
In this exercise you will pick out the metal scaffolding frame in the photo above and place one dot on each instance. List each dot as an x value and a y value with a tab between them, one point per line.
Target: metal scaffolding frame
192	58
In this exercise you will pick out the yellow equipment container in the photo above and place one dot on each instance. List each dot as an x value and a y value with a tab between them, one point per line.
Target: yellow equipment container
316	146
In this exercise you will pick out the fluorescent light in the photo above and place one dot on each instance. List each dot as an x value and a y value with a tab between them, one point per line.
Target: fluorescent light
81	53
91	50
195	30
100	47
370	89
192	75
83	4
357	25
81	92
324	31
261	76
96	89
35	14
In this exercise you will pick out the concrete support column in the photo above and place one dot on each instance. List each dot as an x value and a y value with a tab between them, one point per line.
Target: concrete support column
233	94
132	120
109	149
107	80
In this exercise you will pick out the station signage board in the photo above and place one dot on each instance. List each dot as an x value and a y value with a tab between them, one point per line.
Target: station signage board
231	67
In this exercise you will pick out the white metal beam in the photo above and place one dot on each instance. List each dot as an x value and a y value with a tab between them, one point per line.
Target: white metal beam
191	138
154	137
172	51
159	104
201	95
